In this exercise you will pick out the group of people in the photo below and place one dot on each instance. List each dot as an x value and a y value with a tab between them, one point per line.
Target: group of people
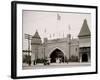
58	60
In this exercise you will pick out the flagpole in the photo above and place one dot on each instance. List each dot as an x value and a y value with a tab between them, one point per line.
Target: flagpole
58	19
69	41
69	29
44	43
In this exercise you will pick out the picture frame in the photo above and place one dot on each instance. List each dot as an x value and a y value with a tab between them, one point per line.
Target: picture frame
28	16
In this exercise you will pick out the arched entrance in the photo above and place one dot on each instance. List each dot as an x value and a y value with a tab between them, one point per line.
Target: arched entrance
57	55
84	57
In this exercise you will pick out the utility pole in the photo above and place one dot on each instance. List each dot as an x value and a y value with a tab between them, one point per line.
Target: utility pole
45	40
28	37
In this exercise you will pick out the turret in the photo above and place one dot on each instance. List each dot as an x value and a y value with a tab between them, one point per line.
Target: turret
36	39
84	32
85	42
36	43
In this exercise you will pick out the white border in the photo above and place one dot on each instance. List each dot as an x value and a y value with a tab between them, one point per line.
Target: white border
36	72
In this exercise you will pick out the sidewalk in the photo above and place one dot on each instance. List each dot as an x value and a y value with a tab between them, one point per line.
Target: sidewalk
55	65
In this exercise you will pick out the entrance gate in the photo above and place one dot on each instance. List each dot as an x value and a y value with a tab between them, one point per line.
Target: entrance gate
57	56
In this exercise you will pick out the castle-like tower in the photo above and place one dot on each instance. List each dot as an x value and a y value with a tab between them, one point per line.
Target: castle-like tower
85	43
35	45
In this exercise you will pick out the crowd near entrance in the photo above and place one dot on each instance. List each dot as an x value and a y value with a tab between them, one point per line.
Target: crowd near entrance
57	56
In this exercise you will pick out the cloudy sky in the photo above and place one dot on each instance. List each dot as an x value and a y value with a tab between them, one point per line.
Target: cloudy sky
53	24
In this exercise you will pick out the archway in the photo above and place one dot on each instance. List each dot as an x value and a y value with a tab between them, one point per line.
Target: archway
84	57
57	54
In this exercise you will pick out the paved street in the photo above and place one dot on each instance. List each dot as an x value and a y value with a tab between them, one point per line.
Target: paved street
55	65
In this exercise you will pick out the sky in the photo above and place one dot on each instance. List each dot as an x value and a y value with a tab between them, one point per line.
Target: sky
53	24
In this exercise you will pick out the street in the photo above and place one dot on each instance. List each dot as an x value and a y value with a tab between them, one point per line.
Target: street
55	65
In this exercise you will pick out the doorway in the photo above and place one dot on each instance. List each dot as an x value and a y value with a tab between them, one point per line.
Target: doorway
84	57
57	55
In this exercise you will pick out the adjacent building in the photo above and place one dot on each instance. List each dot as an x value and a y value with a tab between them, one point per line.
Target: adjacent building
85	43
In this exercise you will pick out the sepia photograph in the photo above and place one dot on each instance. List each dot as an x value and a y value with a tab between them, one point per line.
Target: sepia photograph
53	39
56	39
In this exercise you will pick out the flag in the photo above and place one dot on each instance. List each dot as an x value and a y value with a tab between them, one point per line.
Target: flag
63	35
59	34
45	31
69	28
53	34
58	17
50	35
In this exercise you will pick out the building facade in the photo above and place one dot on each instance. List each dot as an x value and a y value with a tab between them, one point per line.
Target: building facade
62	48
